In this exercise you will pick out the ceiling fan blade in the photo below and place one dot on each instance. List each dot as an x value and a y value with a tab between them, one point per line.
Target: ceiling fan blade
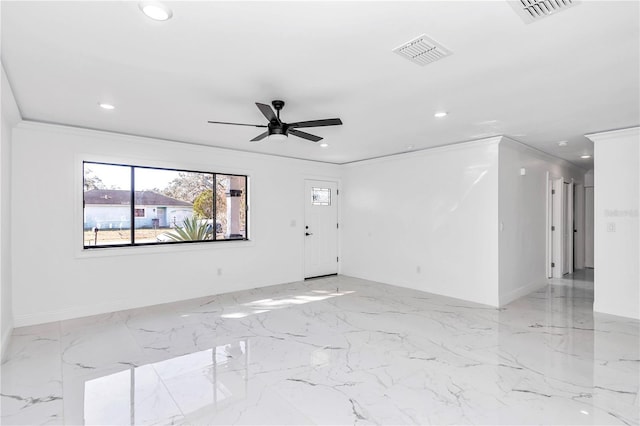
268	112
317	123
304	135
260	137
236	124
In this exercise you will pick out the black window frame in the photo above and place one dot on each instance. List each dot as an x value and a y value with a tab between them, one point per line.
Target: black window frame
133	207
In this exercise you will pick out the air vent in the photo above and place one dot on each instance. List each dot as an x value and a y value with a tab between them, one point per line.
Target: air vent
422	50
534	10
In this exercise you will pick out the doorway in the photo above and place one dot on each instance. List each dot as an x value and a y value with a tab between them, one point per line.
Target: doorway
578	226
161	213
321	228
561	227
567	228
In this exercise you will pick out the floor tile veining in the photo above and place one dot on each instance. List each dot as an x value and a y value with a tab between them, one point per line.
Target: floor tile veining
337	350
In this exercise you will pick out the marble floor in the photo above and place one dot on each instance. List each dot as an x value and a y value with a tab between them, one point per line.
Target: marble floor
337	350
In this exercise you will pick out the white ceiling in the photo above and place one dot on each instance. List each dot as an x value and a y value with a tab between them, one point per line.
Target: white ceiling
570	74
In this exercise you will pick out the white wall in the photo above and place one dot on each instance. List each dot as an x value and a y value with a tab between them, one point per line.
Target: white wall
53	278
10	117
617	196
523	216
425	220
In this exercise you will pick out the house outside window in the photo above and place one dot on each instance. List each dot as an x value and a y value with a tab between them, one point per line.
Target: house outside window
127	205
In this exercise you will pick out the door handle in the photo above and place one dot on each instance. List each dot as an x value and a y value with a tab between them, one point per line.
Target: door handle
307	234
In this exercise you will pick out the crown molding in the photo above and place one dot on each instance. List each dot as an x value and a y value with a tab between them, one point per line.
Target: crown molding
631	132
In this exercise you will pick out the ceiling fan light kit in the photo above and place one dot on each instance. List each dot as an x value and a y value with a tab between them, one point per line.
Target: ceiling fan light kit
278	130
277	137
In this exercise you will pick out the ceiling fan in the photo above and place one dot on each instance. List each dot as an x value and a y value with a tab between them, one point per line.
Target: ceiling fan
277	129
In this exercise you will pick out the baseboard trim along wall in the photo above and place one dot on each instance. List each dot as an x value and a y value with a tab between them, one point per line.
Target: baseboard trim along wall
121	305
506	298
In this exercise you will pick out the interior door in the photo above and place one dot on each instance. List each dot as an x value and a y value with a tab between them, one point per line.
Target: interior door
557	228
321	228
578	226
567	228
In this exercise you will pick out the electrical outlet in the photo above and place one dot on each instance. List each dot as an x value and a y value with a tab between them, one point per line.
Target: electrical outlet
219	271
418	270
611	227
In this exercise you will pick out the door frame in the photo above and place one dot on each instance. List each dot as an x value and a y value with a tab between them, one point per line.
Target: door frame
303	213
568	225
579	226
555	186
558	217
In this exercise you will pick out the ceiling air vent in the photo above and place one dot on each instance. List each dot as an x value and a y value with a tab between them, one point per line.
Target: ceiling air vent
534	10
422	50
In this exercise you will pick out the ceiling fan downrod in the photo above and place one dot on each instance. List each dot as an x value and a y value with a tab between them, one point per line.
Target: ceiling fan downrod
277	105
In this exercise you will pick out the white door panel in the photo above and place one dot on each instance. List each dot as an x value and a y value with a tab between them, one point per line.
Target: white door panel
557	226
321	228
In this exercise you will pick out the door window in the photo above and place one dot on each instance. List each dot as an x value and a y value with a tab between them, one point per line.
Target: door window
321	196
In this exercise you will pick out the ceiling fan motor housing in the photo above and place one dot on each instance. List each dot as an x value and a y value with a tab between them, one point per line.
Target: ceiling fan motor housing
276	129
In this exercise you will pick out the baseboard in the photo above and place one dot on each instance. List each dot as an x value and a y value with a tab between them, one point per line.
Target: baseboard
517	293
633	314
120	305
6	335
69	313
86	311
419	287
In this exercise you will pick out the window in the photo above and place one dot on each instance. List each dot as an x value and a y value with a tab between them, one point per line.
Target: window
128	205
321	196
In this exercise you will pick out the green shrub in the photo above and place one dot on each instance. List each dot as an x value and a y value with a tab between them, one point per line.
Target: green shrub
192	230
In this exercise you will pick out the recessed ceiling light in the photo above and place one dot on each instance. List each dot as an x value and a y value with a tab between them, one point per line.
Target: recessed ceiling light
155	10
440	114
409	147
563	143
324	145
104	105
585	156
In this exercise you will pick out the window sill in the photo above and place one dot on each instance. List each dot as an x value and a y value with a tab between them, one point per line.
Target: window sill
84	253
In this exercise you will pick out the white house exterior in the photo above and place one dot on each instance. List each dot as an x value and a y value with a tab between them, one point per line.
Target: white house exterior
111	209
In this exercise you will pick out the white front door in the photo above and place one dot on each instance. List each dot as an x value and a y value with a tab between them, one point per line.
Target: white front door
321	228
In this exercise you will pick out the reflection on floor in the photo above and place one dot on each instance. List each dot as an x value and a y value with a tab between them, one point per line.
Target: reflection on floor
332	351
